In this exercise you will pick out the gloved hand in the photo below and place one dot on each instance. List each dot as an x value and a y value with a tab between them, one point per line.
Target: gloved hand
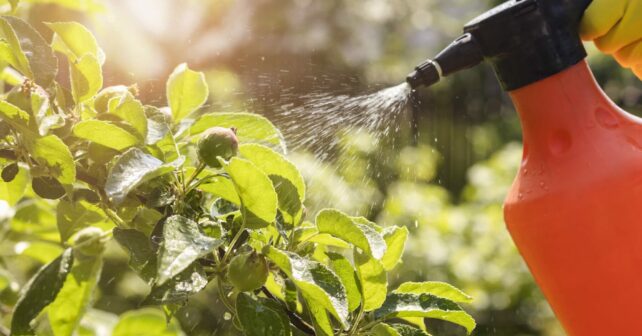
616	28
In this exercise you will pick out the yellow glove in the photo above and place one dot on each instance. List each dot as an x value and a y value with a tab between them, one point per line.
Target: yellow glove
616	28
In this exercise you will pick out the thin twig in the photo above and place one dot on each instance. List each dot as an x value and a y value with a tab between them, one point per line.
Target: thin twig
296	320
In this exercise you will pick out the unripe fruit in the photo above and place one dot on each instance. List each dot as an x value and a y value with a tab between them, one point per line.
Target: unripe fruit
88	241
248	271
215	142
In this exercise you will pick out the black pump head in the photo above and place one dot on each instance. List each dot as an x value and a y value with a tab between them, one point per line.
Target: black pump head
524	40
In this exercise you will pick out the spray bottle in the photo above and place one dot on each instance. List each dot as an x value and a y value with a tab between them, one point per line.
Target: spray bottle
575	208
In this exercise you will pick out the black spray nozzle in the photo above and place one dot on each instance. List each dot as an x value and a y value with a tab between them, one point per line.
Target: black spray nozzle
462	54
524	40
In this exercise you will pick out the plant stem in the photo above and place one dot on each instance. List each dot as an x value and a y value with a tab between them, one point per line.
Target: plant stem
355	324
221	294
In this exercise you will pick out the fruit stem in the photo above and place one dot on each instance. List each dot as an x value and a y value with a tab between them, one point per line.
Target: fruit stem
198	170
221	294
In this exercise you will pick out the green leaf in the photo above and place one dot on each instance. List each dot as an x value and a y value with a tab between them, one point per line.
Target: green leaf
158	124
186	91
315	281
287	181
48	187
129	109
373	279
75	216
142	257
439	289
32	55
14	116
346	272
54	154
39	292
146	321
395	238
342	226
383	329
74	40
250	128
256	192
86	78
320	319
36	218
75	297
183	243
311	234
14	4
221	187
105	133
259	319
133	168
45	117
13	191
178	289
424	305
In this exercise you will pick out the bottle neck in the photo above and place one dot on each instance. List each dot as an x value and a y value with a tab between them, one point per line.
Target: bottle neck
555	111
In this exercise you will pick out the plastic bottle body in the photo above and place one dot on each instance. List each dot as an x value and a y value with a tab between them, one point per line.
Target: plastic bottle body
575	208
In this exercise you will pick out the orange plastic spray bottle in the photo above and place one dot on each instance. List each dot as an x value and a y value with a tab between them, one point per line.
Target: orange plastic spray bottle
575	208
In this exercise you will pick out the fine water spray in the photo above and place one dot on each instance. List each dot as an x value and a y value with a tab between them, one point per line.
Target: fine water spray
573	209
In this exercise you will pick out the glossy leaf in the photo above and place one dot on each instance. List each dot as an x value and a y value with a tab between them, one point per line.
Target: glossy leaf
259	319
395	238
424	305
158	124
32	55
314	280
373	279
383	329
250	128
186	91
76	295
74	40
183	243
105	133
256	193
86	78
131	169
178	289
338	224
39	292
439	289
346	272
54	154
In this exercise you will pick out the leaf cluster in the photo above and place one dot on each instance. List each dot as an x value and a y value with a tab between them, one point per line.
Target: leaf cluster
115	168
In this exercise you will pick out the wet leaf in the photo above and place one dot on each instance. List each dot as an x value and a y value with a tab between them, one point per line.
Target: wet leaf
259	319
346	272
39	292
130	110
183	243
178	289
133	168
383	329
186	91
315	281
76	295
340	225
106	134
158	124
424	305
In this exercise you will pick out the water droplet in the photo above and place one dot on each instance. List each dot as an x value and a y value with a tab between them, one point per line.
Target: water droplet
227	316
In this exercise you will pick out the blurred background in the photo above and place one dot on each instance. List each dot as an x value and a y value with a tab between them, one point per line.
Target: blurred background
446	182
